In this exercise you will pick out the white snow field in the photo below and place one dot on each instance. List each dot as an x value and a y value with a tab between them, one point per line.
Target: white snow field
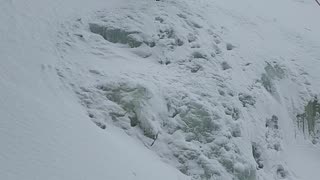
154	90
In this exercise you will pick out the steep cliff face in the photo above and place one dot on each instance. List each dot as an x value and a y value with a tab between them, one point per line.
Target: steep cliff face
213	89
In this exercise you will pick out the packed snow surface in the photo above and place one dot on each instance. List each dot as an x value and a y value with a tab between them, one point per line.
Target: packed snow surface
169	89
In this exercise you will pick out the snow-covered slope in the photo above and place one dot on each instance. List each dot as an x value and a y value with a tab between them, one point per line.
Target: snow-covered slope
45	132
214	89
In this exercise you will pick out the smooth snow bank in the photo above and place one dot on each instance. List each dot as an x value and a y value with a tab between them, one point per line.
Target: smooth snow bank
304	159
44	132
